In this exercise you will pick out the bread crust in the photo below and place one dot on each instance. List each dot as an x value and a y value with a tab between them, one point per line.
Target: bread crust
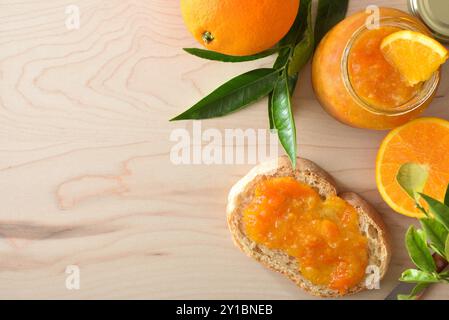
369	212
310	173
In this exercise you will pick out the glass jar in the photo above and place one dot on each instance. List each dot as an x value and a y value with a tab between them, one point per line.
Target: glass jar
356	85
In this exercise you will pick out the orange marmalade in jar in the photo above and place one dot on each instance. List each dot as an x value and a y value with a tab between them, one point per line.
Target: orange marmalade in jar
355	83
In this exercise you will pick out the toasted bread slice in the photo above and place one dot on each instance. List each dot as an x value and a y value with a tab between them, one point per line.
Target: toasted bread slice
370	222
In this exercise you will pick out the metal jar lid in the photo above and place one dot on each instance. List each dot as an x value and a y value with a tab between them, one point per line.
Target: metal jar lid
435	14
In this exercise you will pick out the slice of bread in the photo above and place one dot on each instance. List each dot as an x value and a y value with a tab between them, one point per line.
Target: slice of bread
370	222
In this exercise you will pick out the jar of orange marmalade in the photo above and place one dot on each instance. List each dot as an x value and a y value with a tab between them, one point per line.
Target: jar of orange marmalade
354	82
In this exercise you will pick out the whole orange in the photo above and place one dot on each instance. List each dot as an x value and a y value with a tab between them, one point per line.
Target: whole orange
239	27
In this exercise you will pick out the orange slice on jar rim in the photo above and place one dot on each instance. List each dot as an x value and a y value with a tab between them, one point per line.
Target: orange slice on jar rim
423	141
416	56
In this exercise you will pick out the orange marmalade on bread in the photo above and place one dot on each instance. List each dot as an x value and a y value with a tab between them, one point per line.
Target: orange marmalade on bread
323	235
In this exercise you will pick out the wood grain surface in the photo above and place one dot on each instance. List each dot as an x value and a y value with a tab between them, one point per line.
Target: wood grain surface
85	173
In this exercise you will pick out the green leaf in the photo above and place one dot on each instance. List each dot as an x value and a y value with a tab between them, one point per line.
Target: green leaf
283	117
418	276
216	56
446	197
412	177
282	59
292	81
438	209
270	111
420	287
436	233
285	54
233	95
444	276
446	252
422	234
330	12
280	63
406	297
304	49
419	251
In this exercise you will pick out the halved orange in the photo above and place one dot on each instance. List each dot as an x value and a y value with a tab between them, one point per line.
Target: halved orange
416	56
424	141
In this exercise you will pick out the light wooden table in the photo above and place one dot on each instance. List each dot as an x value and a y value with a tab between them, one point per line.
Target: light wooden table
85	175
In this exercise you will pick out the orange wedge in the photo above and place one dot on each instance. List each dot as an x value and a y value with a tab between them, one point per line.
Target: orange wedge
424	141
416	56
